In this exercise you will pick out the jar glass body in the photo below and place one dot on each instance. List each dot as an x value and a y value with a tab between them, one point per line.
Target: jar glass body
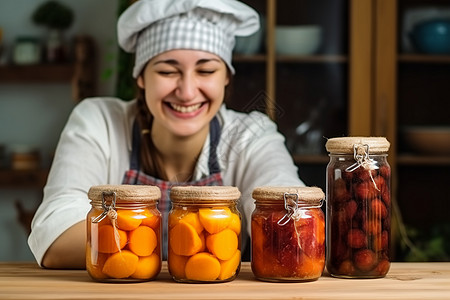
358	216
204	242
124	243
287	251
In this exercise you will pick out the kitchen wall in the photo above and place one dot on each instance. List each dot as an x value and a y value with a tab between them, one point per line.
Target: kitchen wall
33	115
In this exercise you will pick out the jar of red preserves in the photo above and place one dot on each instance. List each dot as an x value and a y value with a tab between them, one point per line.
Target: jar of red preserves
123	233
288	234
204	234
358	207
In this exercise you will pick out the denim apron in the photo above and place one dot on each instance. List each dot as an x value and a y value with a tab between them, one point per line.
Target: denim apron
135	176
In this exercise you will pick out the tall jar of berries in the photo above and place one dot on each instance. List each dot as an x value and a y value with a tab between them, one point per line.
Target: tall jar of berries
358	207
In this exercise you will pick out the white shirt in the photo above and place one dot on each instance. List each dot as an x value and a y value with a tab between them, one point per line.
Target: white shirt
95	148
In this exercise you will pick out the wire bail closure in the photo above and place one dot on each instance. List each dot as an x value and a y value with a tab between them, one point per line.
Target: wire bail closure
291	206
362	158
110	210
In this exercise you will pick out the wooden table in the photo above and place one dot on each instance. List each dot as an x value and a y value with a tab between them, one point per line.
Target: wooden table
404	281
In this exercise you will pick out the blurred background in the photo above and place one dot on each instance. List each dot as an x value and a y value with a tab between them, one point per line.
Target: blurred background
319	68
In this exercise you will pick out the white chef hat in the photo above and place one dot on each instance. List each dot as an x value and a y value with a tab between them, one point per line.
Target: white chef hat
150	27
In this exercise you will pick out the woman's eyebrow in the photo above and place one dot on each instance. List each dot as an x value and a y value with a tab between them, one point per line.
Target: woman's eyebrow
175	62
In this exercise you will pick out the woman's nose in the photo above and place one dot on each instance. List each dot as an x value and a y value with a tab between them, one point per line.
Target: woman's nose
186	88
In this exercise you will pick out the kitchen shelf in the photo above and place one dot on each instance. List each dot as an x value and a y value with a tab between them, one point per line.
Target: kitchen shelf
39	73
422	58
10	178
311	159
422	160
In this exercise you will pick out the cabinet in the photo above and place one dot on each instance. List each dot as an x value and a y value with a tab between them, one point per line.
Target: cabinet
325	94
370	86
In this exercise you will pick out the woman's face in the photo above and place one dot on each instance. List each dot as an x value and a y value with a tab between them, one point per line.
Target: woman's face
184	89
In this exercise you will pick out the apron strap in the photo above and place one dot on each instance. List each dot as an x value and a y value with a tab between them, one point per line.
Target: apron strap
214	132
213	162
135	147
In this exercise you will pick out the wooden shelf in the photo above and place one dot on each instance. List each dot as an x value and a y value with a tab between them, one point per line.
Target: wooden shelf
40	73
23	178
424	58
259	58
311	159
422	160
312	58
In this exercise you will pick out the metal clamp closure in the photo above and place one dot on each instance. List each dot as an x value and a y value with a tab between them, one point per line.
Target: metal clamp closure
108	210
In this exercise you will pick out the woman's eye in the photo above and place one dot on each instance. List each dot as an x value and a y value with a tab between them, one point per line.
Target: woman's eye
206	72
166	73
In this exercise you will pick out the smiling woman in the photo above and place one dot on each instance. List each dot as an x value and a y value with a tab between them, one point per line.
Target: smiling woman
178	131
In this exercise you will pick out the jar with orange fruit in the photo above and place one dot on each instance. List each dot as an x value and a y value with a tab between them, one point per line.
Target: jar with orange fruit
288	234
358	207
123	233
204	243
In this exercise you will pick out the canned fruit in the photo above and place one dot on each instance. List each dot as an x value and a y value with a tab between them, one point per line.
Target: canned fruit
228	268
184	239
115	253
204	244
111	240
121	264
142	241
215	219
293	251
359	226
202	267
223	244
147	267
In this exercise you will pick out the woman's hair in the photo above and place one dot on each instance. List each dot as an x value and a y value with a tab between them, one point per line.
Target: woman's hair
149	157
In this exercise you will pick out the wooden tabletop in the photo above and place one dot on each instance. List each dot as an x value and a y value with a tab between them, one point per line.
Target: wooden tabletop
404	281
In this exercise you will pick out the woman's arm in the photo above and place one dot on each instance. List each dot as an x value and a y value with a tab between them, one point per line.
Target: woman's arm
68	250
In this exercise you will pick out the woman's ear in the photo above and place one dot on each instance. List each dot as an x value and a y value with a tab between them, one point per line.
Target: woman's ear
140	82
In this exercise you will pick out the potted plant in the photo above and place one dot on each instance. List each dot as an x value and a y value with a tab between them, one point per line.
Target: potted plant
57	18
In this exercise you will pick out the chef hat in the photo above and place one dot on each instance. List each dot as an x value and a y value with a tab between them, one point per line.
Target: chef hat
150	27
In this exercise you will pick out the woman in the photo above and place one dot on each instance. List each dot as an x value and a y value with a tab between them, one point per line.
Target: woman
178	130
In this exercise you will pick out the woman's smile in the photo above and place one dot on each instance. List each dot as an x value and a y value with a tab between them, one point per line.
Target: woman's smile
181	111
185	108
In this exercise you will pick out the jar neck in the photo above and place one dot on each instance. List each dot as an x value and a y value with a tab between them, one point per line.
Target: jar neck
203	203
123	204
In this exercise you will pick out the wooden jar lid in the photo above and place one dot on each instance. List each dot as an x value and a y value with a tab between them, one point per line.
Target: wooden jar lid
277	193
345	145
125	193
204	193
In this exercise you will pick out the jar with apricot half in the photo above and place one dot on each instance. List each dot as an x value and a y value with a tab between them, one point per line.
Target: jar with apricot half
358	207
288	234
204	234
123	233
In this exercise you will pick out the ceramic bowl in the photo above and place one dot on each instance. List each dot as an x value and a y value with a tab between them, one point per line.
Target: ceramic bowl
432	36
298	40
428	140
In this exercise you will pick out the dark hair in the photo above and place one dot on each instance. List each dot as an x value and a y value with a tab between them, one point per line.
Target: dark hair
151	164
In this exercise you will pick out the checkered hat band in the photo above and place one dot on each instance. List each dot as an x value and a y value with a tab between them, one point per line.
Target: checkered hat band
182	33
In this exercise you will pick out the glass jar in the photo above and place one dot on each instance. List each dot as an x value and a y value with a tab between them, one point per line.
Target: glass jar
358	207
204	234
288	234
123	233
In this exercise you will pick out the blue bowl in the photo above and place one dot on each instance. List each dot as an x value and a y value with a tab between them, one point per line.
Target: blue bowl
432	37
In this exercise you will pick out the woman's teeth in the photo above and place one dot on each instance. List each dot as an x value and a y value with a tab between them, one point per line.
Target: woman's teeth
185	109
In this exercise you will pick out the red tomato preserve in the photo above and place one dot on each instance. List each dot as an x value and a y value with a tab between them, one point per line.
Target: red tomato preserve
288	234
358	207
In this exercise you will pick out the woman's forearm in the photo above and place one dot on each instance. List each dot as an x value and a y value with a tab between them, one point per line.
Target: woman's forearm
68	251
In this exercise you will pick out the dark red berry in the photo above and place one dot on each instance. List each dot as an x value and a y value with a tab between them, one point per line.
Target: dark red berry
365	260
378	209
356	238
